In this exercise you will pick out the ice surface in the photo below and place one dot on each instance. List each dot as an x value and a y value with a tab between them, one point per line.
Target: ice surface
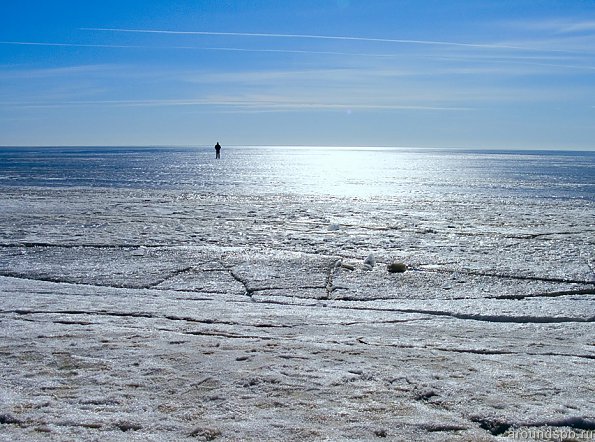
165	315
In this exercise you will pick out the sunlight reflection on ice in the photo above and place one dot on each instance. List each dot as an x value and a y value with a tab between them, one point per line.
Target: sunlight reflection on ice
333	171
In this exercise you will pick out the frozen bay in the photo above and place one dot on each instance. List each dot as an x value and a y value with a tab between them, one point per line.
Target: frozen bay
160	294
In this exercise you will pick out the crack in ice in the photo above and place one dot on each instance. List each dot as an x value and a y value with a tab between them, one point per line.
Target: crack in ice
504	275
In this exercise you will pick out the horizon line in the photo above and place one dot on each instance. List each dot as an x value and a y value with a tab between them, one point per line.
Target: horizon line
330	146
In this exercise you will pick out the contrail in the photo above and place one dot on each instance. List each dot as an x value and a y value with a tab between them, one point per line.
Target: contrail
288	51
195	48
318	37
282	51
75	45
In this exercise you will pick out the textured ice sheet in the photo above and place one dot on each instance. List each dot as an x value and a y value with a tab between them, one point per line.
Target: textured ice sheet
161	316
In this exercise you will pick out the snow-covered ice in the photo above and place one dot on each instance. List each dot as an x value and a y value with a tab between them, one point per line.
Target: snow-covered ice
157	314
167	317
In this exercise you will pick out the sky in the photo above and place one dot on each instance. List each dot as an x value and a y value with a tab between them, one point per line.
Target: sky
497	74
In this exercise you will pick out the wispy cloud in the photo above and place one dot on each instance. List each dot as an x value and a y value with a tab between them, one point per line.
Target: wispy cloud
259	104
563	35
556	26
58	72
514	65
576	26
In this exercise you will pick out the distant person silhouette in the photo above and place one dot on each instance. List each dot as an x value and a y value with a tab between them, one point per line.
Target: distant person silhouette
217	150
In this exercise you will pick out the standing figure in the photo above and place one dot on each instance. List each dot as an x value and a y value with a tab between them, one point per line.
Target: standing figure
217	150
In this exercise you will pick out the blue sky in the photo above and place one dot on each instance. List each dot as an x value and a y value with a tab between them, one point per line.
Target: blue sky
435	73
